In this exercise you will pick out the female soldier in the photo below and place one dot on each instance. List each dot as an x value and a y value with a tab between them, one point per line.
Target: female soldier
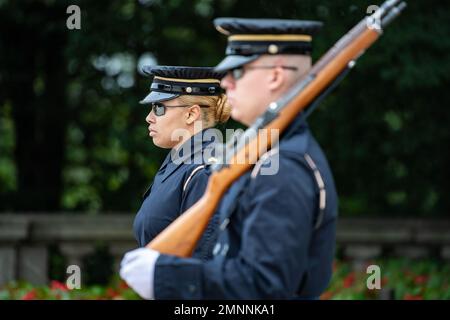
181	98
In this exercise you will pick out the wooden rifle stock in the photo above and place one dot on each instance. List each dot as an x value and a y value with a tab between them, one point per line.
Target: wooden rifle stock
181	237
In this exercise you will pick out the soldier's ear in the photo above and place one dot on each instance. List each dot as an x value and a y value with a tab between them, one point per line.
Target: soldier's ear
277	78
193	114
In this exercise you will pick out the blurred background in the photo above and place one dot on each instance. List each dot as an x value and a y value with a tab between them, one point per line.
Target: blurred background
75	157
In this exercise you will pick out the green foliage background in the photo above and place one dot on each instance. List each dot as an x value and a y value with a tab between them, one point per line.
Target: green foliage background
73	136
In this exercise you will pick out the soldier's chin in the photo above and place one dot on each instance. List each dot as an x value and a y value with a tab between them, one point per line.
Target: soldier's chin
163	143
235	114
156	141
238	116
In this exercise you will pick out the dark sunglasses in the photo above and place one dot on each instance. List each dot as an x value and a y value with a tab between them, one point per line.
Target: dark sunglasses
159	109
238	73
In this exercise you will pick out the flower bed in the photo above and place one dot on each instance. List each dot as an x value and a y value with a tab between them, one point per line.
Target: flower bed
118	290
402	279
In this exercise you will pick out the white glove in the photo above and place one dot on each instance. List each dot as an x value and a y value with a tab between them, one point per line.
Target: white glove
137	269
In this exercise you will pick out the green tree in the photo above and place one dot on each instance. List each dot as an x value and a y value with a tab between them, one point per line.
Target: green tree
73	136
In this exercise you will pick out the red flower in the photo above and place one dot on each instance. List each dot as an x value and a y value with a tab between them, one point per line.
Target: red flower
56	285
349	280
111	293
30	295
327	295
123	285
419	280
412	297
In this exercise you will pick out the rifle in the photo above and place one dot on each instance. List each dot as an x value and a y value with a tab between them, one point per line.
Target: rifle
181	237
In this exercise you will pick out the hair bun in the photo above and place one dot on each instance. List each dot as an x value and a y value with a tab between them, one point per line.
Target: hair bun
223	109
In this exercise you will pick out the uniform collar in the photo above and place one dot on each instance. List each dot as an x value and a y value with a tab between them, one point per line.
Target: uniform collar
190	152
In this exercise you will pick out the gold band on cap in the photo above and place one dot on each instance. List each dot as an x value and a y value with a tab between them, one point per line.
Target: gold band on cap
270	37
188	80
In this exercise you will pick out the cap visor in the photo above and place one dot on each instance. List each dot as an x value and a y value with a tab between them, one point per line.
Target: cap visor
231	62
158	97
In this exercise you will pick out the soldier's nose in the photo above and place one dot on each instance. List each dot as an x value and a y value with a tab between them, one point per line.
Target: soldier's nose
227	82
150	118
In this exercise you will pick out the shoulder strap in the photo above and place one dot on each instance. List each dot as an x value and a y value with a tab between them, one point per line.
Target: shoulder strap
263	159
322	191
191	175
317	178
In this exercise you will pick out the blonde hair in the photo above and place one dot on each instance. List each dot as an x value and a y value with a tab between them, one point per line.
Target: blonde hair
218	112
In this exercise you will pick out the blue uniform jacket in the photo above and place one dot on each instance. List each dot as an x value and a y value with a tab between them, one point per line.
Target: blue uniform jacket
171	194
276	235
